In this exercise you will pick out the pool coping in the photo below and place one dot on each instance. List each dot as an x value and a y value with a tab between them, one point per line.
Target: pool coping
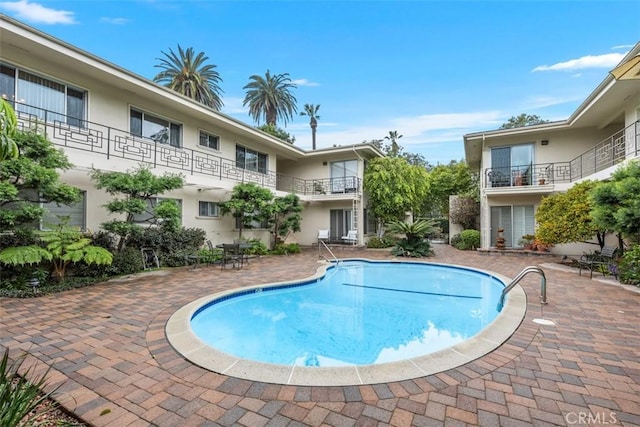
181	337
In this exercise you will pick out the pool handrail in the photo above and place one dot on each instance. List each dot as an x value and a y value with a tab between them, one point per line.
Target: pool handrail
327	248
514	282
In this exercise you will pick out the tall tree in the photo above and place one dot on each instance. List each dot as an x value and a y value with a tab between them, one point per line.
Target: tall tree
283	216
134	191
8	129
616	203
311	110
523	120
248	202
188	74
447	180
31	179
270	98
415	159
394	137
278	133
394	188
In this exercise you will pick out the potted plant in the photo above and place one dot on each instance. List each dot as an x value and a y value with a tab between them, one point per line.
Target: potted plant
542	179
518	178
540	246
527	241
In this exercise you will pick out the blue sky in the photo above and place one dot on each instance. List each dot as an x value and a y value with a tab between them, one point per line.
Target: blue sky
431	70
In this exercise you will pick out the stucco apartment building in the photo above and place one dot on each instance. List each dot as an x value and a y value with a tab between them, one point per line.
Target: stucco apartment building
520	166
108	118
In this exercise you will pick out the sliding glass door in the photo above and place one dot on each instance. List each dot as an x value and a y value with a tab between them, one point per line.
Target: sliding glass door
516	221
340	223
509	163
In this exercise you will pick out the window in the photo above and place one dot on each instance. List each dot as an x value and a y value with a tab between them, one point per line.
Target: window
516	221
210	209
76	213
155	128
340	222
254	224
41	97
370	222
250	160
149	212
210	141
344	176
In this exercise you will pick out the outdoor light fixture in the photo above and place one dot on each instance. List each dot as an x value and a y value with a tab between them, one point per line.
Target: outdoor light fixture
544	142
34	282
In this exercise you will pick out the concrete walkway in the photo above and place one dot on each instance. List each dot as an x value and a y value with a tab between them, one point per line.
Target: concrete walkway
107	349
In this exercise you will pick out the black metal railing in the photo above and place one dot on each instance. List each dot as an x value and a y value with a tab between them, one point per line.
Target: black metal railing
621	145
77	134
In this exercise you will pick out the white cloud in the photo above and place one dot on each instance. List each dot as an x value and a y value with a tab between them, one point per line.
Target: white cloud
423	129
115	21
35	12
304	82
535	102
622	46
233	106
607	60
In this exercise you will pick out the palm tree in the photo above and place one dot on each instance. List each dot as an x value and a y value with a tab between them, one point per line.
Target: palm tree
270	97
394	137
311	110
188	74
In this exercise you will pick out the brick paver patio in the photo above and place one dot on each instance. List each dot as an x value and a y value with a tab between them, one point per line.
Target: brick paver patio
107	349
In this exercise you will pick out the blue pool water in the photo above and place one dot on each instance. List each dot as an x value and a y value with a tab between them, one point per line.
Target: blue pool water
359	313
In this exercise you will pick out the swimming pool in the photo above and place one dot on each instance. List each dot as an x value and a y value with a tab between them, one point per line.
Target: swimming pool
360	322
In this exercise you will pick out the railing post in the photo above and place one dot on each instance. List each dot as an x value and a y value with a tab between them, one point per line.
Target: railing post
155	154
109	142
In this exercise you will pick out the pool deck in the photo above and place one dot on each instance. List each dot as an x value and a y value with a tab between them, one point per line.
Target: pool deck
107	348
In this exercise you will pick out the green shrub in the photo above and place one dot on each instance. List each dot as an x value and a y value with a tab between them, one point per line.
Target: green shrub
170	246
127	261
383	242
284	249
629	267
414	248
467	240
257	247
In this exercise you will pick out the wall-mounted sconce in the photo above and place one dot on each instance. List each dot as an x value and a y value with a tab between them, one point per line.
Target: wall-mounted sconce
324	163
544	142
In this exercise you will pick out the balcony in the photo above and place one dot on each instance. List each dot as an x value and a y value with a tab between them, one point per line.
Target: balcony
622	145
111	143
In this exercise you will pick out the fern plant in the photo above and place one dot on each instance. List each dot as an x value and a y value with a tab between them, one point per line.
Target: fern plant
64	245
414	243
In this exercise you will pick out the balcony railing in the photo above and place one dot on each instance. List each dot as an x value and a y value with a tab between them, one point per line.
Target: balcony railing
609	152
106	141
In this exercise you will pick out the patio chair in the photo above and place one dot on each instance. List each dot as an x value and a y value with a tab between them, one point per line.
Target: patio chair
351	237
231	253
604	262
324	236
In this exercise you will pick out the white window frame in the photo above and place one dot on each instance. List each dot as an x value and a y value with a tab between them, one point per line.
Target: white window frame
258	155
38	109
209	136
171	135
209	204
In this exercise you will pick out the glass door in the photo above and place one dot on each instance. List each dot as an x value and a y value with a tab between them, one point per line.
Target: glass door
340	223
516	221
